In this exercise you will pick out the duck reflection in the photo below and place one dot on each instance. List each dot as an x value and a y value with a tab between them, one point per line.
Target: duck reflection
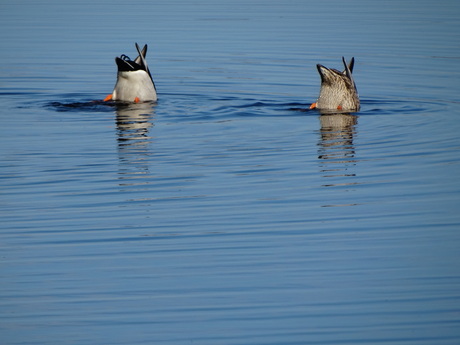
336	149
133	125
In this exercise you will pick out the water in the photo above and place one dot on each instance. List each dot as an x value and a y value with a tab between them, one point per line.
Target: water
228	213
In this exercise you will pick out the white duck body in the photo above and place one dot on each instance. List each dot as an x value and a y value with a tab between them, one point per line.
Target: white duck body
134	85
134	81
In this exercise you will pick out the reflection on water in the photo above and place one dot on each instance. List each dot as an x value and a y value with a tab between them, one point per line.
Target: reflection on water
133	125
337	151
337	132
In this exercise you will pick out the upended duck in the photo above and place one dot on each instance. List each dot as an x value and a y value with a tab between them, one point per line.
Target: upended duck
134	81
338	89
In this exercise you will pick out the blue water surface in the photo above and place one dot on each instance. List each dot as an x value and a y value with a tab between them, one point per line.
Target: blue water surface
228	212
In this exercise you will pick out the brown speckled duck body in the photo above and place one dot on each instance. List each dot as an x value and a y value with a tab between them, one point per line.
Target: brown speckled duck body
338	90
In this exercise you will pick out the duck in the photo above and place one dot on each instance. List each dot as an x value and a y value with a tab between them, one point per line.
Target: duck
134	81
338	91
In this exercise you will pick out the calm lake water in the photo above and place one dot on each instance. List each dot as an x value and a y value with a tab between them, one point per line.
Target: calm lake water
227	212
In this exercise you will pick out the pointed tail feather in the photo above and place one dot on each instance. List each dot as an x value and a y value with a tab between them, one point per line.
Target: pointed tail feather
143	61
